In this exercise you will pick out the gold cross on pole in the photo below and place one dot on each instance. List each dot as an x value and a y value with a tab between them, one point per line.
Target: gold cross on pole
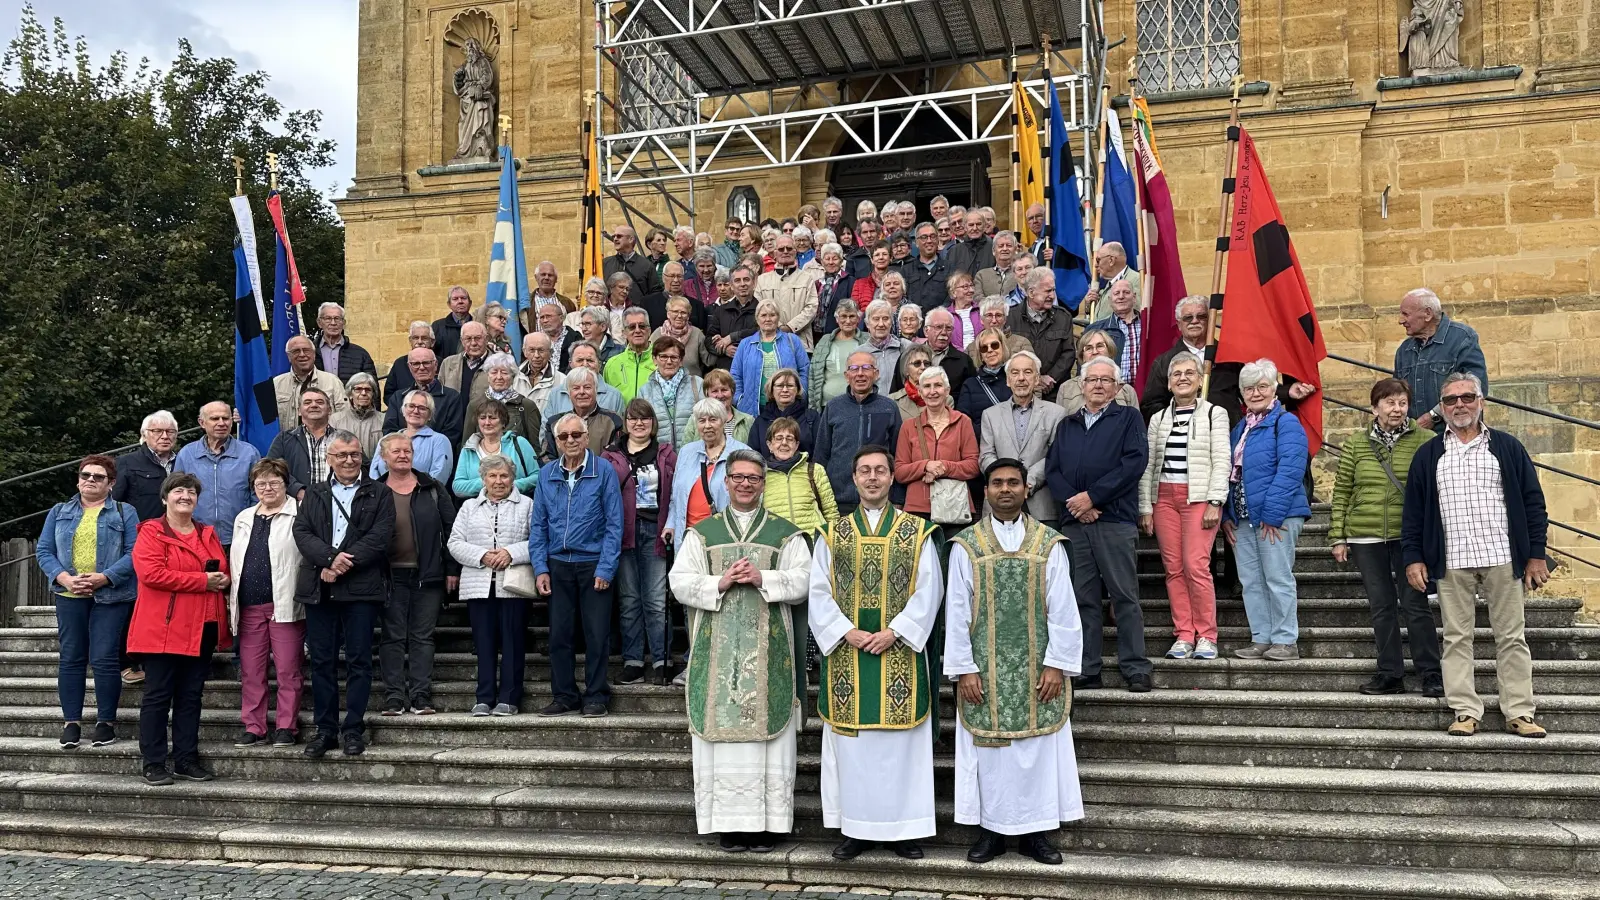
238	176
272	169
1238	82
505	129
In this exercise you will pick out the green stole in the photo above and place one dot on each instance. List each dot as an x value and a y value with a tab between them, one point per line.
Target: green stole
874	575
741	671
1009	635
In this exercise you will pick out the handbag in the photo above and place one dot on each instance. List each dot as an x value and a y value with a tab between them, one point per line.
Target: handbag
949	501
518	581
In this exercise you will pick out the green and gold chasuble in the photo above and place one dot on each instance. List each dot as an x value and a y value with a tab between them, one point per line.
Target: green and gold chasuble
874	575
741	671
1009	635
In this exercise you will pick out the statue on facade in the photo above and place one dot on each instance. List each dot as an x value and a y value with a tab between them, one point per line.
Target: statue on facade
1431	36
474	85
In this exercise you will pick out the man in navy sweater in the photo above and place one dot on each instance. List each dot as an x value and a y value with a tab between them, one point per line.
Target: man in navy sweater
1093	468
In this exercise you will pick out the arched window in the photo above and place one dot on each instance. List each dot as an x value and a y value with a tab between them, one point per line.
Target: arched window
1187	44
744	205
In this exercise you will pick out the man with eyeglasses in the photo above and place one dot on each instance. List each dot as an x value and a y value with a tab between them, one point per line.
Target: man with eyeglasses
448	408
447	330
1126	325
303	373
739	571
793	287
140	473
638	267
304	449
399	379
1191	313
857	418
335	353
1474	521
940	328
628	370
926	273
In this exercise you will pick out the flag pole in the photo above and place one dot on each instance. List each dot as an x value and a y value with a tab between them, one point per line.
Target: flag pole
1016	149
1044	173
1224	225
1099	191
1138	194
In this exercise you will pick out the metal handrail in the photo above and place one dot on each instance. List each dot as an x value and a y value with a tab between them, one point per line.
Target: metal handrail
118	451
1563	417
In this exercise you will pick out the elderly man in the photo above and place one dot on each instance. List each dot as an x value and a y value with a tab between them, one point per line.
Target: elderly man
1191	313
877	746
729	323
399	378
859	417
303	373
859	262
594	327
464	373
1474	520
1110	266
448	406
939	327
1093	469
342	531
552	324
545	280
447	331
683	242
1012	637
335	353
574	544
140	473
1041	249
222	462
1435	346
792	288
305	449
832	214
538	377
975	252
1047	326
739	571
672	288
629	370
995	280
1126	327
1023	428
636	266
581	400
927	274
560	401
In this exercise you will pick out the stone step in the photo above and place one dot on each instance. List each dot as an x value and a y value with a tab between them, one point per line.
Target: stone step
1083	875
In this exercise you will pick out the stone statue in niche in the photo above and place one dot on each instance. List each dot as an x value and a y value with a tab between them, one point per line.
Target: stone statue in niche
473	83
1431	36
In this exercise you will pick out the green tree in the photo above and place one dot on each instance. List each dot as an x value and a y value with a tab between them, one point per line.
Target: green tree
116	261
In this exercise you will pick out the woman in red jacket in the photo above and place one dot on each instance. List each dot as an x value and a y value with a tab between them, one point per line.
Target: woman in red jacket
179	617
939	445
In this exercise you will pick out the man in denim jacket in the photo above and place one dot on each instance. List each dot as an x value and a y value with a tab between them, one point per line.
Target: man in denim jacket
1436	346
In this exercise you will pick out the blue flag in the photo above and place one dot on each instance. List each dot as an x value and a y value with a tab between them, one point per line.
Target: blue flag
508	265
1071	260
253	395
287	294
1118	214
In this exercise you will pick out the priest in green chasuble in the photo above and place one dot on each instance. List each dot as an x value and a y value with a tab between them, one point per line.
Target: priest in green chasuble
875	595
1012	639
739	572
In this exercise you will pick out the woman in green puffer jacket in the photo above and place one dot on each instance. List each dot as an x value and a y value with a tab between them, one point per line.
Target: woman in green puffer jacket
1368	495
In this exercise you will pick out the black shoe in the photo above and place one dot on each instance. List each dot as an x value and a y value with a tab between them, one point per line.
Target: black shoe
157	776
987	847
192	770
71	736
285	737
557	708
1138	684
354	744
1383	684
250	739
732	842
850	848
906	849
632	673
394	708
1038	848
105	734
1433	686
321	744
658	675
764	841
1086	682
594	710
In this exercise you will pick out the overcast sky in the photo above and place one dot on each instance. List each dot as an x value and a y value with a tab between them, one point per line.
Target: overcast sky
308	47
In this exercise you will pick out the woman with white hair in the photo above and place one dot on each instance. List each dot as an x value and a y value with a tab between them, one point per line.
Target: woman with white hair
804	251
882	344
763	354
939	445
522	414
963	308
594	294
830	361
908	320
495	319
1095	342
913	359
490	536
1266	509
360	415
698	479
430	450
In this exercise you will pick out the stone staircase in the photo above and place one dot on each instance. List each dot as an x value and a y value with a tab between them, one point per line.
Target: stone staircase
1232	779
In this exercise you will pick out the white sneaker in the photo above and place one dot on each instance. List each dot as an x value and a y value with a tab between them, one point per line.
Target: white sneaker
1180	650
1205	649
683	677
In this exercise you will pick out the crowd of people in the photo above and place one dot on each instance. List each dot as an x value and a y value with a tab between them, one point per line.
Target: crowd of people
841	452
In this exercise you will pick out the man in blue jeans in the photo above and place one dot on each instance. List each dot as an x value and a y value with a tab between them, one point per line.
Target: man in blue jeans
574	544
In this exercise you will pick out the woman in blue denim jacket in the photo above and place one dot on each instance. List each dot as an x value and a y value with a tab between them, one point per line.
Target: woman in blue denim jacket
86	550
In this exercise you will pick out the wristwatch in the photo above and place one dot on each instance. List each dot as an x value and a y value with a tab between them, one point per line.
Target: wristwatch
1216	503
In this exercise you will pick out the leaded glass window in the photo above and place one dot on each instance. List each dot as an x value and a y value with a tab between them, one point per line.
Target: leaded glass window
1187	44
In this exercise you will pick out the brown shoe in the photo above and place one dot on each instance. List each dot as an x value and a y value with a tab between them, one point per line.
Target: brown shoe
1463	726
1525	726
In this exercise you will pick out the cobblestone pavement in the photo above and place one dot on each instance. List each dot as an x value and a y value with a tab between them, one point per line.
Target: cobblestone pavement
100	876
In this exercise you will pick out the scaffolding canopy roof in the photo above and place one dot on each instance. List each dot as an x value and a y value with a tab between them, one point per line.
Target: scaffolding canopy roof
737	46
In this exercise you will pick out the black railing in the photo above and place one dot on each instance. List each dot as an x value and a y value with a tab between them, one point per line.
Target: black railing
118	451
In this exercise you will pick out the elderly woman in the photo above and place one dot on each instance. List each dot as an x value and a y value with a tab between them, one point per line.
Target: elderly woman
644	468
994	311
1368	495
829	361
619	296
262	610
908	321
804	252
495	319
963	308
522	414
180	617
594	327
785	398
869	287
913	360
938	445
762	354
1265	511
989	386
672	391
882	344
594	296
431	450
698	489
1180	502
490	437
421	570
86	552
694	355
724	286
1095	342
655	243
360	415
490	536
701	283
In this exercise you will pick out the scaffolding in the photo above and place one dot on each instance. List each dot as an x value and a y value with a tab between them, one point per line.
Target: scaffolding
717	87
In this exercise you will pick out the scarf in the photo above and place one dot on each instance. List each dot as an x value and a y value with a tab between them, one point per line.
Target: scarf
784	465
679	336
1251	420
505	396
1388	438
913	395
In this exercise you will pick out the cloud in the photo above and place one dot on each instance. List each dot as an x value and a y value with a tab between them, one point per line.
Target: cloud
308	47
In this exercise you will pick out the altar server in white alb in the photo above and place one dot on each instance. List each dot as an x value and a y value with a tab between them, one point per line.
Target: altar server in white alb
739	571
875	595
1012	638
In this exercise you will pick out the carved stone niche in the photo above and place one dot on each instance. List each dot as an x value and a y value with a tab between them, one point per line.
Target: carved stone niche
471	88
